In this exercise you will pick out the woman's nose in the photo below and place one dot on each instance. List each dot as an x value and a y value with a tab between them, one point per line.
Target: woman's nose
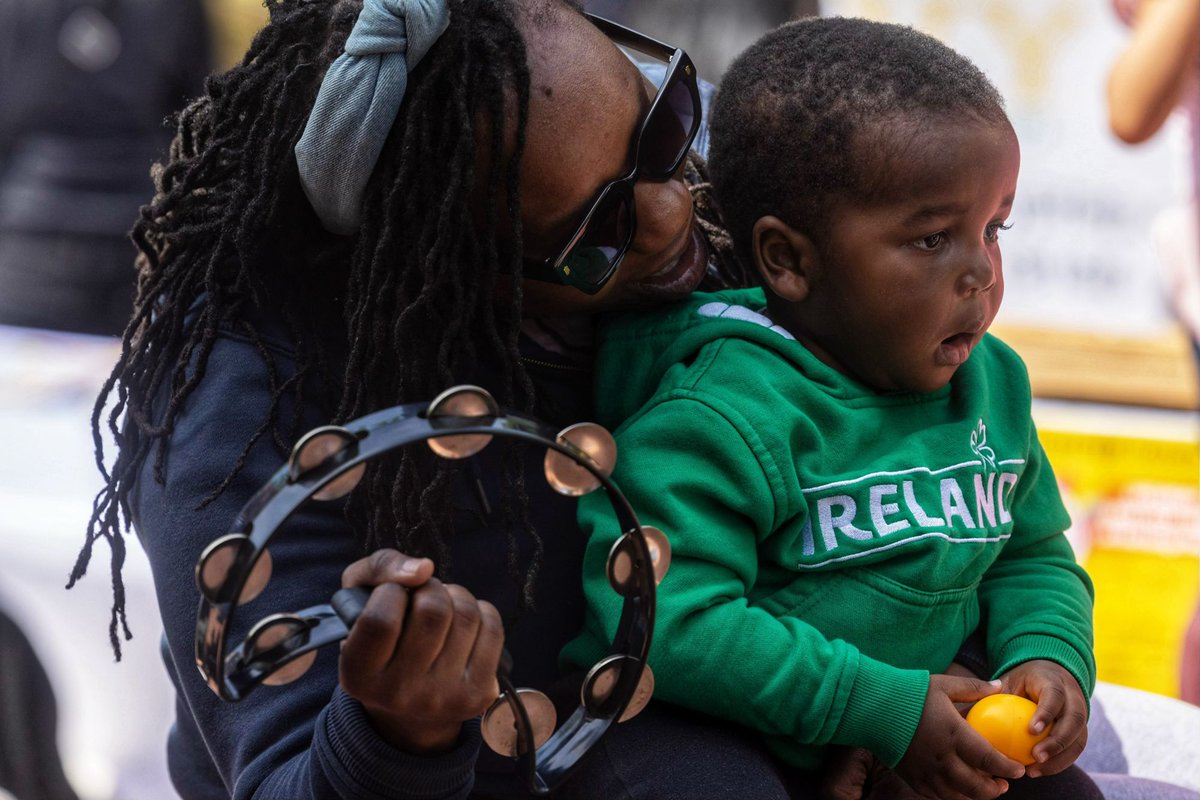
664	212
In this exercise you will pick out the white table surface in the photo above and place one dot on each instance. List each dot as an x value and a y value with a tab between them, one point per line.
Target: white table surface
113	717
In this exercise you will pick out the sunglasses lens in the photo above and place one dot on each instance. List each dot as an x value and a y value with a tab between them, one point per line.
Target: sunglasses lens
608	233
669	131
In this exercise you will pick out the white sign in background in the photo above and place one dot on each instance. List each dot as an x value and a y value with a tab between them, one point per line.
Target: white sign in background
1080	254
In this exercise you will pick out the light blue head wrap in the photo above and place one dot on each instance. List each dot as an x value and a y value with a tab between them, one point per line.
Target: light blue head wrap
358	102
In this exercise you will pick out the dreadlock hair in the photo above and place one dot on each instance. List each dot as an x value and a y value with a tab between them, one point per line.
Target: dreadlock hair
725	269
802	116
229	232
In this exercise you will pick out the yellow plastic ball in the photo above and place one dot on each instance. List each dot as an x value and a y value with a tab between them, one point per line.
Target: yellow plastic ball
1003	719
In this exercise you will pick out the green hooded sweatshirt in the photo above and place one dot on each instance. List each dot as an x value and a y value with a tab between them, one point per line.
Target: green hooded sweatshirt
831	546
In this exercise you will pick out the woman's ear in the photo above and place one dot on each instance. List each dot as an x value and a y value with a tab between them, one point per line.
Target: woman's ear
786	258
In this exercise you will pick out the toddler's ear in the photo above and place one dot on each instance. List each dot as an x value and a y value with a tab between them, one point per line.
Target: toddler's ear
785	258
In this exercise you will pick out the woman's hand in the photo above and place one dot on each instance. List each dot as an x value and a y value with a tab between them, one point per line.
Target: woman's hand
1061	701
422	656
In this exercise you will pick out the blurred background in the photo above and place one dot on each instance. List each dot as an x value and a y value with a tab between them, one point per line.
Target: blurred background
1102	268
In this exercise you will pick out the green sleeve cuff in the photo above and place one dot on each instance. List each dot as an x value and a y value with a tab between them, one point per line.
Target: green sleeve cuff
1037	646
883	709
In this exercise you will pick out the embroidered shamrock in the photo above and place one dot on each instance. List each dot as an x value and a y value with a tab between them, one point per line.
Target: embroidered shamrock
980	448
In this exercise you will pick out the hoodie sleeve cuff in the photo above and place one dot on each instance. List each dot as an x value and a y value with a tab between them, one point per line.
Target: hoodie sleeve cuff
883	709
359	763
1031	647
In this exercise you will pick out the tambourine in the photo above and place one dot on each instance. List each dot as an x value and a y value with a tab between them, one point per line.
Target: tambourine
326	464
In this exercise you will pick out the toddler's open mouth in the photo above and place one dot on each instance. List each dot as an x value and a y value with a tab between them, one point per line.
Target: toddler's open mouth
955	349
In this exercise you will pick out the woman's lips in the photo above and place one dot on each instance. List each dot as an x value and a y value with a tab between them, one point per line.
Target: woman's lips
682	275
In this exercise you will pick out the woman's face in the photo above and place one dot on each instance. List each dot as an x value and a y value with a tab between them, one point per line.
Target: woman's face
587	101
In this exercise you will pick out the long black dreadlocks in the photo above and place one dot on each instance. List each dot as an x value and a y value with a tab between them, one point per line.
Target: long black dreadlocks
229	230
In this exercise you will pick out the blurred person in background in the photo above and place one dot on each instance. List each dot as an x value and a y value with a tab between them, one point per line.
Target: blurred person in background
716	30
1157	74
86	87
30	767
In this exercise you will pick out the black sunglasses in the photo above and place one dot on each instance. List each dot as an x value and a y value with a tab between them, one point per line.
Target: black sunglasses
326	464
593	253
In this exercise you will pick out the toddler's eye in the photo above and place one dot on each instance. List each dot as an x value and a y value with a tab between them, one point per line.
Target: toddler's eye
931	242
992	233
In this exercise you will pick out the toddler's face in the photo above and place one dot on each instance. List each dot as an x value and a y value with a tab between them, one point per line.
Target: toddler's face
910	282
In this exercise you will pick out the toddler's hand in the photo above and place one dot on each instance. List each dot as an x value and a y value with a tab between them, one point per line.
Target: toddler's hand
1061	701
847	773
854	773
946	757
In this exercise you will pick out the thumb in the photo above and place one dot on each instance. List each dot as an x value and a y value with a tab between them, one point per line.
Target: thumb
964	690
388	566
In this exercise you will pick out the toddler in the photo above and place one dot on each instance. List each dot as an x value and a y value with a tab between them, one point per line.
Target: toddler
844	460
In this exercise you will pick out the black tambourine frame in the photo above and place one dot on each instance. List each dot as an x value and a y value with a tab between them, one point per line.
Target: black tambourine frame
230	572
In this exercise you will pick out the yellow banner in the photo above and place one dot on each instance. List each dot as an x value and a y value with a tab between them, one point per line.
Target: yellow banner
1135	506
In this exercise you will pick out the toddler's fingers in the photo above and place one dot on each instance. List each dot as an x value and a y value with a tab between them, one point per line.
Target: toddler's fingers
960	781
963	690
978	752
1051	703
1064	744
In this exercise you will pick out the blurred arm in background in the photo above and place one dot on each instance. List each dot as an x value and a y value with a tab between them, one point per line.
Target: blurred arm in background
1150	76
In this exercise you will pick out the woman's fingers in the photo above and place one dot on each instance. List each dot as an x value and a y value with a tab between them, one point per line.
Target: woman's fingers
430	618
485	654
422	655
373	638
466	619
388	566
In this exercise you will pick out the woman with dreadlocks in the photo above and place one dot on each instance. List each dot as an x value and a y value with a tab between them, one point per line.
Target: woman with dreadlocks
379	203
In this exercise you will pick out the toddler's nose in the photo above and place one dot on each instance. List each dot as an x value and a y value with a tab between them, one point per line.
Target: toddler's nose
980	273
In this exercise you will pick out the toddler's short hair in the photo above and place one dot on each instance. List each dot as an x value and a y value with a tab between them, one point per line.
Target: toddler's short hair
788	123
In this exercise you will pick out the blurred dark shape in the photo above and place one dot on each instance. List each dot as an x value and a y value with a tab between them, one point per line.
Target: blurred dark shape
30	768
712	32
85	89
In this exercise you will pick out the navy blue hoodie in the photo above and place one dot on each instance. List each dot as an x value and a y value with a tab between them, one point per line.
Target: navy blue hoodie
309	739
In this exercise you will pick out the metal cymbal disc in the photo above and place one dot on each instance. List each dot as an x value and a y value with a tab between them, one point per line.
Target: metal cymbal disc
566	475
461	401
660	551
499	726
270	632
602	679
209	681
212	569
315	448
622	566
